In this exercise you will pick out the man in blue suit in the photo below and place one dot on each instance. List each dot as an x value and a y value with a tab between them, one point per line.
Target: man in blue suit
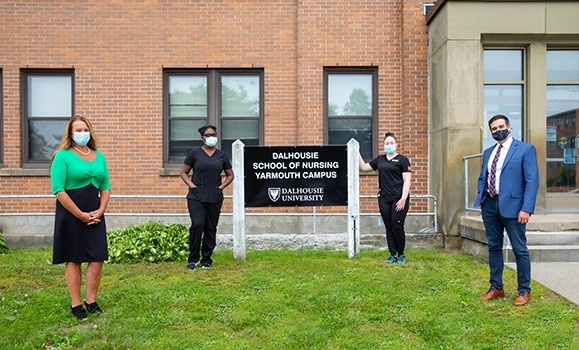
507	190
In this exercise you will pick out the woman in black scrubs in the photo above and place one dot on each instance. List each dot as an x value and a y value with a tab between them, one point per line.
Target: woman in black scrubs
394	182
205	196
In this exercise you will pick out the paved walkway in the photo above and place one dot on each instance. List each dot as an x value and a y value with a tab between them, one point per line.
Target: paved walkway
560	277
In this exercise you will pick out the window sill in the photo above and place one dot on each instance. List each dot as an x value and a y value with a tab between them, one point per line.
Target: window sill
24	172
169	171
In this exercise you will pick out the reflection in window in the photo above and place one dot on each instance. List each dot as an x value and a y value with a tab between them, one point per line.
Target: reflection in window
562	129
188	96
503	65
503	90
241	108
563	65
349	94
188	111
506	100
244	130
48	106
45	136
240	96
342	130
351	107
230	100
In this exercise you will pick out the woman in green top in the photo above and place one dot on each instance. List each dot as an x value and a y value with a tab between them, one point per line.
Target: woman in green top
80	181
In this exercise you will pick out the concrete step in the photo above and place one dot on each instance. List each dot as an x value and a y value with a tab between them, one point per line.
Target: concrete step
553	238
550	238
551	246
548	253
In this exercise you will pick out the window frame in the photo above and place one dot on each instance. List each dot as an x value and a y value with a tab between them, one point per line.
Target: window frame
24	74
214	106
561	124
167	74
535	93
523	83
373	71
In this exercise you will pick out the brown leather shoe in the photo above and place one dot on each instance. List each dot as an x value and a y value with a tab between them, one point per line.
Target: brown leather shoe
493	293
522	299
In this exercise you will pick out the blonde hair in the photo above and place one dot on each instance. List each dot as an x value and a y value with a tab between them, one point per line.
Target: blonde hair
66	142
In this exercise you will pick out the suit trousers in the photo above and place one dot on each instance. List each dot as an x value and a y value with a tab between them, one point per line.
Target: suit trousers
203	231
495	224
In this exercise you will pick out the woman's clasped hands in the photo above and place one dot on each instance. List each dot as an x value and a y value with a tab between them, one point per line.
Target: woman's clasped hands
91	218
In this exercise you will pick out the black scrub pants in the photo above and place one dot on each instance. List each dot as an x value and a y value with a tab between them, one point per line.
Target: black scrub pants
203	231
394	223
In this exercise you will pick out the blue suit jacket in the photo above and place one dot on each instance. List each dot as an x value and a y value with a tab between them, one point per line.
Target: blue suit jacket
519	180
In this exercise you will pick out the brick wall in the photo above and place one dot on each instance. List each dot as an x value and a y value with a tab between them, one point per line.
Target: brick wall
118	50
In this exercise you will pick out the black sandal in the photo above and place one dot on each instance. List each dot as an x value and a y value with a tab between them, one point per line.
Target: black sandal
79	312
92	307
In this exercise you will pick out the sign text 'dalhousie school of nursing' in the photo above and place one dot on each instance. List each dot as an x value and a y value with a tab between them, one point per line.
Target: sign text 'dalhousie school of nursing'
296	176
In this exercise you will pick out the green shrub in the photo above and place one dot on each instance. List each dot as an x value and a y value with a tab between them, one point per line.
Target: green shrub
151	242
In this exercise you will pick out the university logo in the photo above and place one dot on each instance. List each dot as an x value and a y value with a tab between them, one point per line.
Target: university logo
273	193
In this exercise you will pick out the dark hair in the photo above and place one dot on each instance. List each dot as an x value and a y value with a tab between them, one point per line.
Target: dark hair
497	117
390	134
204	128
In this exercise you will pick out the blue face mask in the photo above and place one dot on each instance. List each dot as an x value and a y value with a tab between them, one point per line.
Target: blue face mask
211	141
390	149
81	138
500	135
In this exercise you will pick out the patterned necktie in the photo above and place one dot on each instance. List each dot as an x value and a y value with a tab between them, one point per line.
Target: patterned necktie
493	175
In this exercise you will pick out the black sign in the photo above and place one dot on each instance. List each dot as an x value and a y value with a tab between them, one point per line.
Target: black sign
296	176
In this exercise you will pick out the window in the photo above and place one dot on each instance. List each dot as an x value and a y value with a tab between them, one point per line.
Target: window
350	107
504	89
550	75
562	110
47	105
232	100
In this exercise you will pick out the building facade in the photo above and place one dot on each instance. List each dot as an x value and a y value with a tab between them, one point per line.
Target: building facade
281	73
517	58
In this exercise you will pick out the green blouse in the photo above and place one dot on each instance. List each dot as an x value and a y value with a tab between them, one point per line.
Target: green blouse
68	171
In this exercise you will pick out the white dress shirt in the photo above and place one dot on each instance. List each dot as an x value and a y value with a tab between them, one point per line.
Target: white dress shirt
506	145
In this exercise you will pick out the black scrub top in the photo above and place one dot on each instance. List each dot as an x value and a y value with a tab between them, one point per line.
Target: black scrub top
206	174
390	175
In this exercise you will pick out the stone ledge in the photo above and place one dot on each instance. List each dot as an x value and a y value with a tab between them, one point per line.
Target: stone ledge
269	241
28	241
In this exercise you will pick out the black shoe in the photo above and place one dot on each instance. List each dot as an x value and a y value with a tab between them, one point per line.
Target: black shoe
92	307
192	266
205	266
79	312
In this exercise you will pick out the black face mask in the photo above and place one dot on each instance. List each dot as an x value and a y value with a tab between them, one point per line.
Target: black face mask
500	135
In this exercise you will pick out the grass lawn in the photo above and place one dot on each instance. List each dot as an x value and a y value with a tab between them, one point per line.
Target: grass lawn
291	299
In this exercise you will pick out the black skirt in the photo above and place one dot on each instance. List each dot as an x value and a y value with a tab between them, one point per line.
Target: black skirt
75	241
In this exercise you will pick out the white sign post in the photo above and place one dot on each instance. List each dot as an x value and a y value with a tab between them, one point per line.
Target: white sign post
353	198
238	201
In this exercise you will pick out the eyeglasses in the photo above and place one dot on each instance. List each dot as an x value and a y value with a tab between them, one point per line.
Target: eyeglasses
210	135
